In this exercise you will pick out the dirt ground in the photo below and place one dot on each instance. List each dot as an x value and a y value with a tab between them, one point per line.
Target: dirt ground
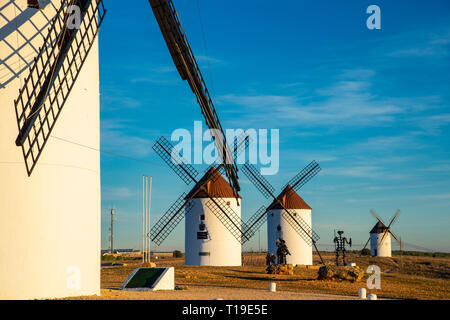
402	278
208	292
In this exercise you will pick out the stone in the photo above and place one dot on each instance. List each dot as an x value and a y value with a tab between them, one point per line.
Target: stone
340	273
372	296
281	269
149	265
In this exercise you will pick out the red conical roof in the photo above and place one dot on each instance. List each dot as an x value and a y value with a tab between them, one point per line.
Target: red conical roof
217	186
379	228
290	200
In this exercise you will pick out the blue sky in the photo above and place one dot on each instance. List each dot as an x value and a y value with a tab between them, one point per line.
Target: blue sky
371	106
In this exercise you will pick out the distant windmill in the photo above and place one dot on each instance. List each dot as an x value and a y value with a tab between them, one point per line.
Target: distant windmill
290	216
380	236
210	229
184	60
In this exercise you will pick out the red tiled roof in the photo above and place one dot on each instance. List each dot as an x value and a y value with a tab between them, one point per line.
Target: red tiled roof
217	187
290	200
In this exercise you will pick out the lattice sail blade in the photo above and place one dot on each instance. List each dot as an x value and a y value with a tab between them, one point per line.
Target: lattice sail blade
377	217
304	176
170	220
172	158
53	75
300	225
228	217
255	222
241	143
187	66
394	218
261	183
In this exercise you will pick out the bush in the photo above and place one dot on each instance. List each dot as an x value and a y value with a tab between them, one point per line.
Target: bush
108	257
365	252
177	254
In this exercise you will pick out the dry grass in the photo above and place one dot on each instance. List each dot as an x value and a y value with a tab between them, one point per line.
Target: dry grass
402	277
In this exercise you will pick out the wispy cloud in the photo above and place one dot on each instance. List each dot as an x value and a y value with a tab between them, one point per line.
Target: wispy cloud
110	193
346	102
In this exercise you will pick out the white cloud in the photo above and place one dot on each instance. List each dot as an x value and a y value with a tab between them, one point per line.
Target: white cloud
347	102
117	193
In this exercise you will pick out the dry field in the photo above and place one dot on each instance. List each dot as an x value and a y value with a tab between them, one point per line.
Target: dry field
402	278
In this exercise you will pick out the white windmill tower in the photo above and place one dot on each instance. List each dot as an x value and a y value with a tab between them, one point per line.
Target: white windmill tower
280	228
50	212
208	242
380	237
214	229
288	216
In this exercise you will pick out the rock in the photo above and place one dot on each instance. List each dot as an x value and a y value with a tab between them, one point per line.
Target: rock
353	274
281	269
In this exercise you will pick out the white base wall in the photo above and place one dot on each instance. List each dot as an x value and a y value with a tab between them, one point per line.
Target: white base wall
221	248
50	222
378	248
301	252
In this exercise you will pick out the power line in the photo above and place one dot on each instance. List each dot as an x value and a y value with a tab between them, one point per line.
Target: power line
107	152
206	49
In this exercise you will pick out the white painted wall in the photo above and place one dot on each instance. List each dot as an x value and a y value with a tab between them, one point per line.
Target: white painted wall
223	247
50	222
383	248
301	252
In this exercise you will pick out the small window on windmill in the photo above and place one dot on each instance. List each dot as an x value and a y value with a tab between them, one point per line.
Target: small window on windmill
202	217
279	228
228	203
295	214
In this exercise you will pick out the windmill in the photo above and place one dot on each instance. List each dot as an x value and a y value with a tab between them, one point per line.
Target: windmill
380	236
290	216
46	65
214	229
186	64
53	74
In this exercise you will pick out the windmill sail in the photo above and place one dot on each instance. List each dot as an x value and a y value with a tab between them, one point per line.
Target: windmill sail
170	219
296	222
261	183
304	176
53	75
228	218
255	222
171	157
188	69
187	173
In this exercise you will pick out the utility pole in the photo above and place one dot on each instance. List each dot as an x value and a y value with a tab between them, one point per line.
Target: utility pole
111	233
146	205
259	239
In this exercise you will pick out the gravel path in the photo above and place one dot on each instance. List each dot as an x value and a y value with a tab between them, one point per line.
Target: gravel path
213	292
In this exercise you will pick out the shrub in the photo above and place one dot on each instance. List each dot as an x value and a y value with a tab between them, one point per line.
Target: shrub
108	257
365	252
177	254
